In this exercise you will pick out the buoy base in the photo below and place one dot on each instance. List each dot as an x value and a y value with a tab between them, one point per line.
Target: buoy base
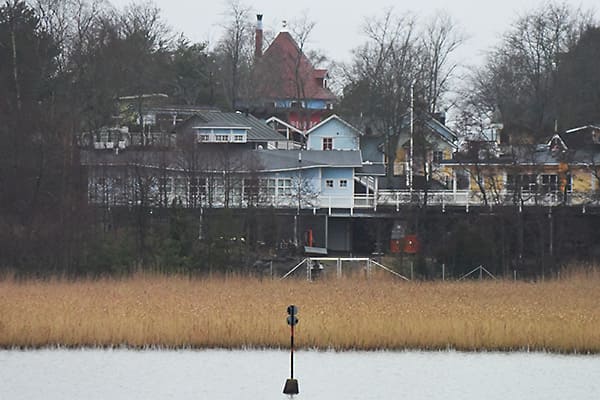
291	386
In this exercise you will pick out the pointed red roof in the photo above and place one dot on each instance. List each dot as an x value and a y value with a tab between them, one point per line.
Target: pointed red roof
289	74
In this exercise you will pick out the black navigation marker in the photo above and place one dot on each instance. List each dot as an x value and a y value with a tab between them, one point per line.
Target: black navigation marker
291	384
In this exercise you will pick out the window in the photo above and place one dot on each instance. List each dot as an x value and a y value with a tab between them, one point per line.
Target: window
529	182
438	156
463	181
549	183
270	186
239	138
525	182
180	187
284	187
193	185
204	138
343	183
251	189
329	183
327	143
569	183
221	138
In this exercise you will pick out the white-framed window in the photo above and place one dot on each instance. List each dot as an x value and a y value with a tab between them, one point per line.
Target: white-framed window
463	181
167	183
270	185
239	138
329	183
180	186
204	138
343	183
327	143
569	183
549	183
221	138
284	186
525	182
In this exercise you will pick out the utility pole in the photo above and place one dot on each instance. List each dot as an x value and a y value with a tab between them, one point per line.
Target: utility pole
412	129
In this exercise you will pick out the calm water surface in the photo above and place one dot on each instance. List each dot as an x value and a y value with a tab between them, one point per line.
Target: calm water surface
260	375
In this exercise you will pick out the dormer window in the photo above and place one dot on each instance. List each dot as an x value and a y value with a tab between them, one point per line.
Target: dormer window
218	134
327	143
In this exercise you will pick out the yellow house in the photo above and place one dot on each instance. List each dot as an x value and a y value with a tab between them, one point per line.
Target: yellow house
421	152
565	170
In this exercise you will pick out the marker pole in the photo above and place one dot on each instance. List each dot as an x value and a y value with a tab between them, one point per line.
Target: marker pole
292	353
291	384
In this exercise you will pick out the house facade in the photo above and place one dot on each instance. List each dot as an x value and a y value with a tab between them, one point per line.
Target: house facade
420	154
335	182
562	171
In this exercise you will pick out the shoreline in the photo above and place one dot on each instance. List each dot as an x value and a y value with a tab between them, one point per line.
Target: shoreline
158	348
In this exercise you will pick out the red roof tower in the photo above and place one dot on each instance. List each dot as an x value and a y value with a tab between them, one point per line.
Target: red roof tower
288	85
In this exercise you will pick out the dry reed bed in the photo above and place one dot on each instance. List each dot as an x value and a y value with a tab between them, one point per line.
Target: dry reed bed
558	316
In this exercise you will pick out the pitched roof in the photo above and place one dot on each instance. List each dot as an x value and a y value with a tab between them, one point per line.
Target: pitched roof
581	128
442	130
282	122
259	160
434	125
331	118
281	61
286	160
258	130
583	136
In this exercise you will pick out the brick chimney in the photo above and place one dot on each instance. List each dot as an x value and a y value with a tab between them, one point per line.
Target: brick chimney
259	37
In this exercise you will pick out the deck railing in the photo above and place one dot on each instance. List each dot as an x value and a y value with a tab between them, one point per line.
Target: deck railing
373	201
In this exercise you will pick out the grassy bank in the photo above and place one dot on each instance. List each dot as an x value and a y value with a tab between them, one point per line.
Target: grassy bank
560	316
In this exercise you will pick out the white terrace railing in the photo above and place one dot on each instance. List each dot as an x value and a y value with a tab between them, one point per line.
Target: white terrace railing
461	198
372	201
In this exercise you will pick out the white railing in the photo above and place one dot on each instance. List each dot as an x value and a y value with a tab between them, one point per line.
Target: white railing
383	198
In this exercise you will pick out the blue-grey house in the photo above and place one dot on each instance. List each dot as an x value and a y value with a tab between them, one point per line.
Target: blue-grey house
233	160
309	178
333	134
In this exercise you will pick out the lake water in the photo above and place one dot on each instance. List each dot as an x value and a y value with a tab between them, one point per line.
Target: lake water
260	375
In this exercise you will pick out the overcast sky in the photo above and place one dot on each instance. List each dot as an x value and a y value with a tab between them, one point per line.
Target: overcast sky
339	23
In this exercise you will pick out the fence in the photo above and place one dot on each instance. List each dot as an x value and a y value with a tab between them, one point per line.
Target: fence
315	267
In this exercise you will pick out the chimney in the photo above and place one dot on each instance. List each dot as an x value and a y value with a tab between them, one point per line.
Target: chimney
440	117
259	37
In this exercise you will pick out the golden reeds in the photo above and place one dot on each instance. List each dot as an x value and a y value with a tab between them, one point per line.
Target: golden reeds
558	316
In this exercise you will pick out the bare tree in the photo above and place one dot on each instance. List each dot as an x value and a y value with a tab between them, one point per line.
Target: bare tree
235	50
398	69
519	78
439	41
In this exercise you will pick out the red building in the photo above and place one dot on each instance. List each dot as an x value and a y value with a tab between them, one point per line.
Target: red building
287	84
